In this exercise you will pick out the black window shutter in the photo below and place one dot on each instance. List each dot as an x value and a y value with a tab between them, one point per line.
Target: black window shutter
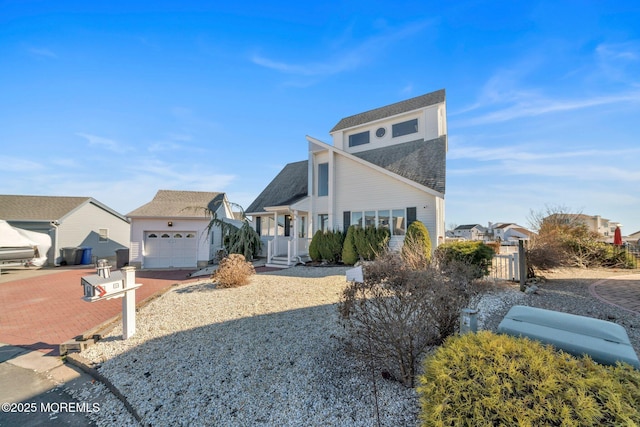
287	225
411	215
259	225
346	220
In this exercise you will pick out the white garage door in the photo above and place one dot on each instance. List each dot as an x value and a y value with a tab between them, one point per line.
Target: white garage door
164	249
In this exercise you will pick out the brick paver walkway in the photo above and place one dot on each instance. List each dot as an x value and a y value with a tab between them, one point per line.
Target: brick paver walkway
621	291
40	313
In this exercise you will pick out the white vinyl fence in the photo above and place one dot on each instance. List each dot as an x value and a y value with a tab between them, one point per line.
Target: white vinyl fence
505	267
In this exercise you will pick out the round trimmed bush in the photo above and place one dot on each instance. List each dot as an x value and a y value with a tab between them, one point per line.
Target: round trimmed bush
489	379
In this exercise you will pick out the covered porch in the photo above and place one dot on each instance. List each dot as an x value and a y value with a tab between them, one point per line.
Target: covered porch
287	236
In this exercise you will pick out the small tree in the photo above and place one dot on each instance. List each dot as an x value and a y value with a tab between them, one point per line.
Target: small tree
244	241
240	240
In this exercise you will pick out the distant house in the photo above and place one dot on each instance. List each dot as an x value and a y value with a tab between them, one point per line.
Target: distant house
171	231
71	222
386	168
469	232
508	232
604	227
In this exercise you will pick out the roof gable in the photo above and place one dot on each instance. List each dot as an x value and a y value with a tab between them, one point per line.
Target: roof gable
289	186
43	208
171	203
421	161
391	110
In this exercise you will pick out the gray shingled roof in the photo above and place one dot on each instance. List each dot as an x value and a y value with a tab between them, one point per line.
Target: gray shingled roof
171	203
421	161
468	226
289	186
38	208
391	110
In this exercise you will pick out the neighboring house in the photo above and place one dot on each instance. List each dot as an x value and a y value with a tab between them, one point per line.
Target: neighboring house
386	168
469	232
70	222
171	231
633	238
595	223
507	232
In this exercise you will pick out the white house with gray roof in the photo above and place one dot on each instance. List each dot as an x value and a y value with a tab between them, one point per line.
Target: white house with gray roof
386	167
171	231
71	222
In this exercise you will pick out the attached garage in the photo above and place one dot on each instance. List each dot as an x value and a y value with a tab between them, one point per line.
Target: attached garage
170	249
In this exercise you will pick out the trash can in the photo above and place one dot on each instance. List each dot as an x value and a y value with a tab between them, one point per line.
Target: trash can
79	252
122	258
70	255
86	256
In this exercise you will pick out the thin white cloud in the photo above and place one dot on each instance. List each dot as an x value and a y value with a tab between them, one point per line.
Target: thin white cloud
106	143
42	52
17	164
538	107
346	60
523	153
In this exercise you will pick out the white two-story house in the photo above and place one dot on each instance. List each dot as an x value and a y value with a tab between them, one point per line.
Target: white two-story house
386	167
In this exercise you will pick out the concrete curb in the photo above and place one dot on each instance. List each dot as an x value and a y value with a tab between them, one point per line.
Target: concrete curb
77	360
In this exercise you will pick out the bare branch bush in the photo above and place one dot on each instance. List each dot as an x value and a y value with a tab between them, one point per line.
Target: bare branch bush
399	313
233	271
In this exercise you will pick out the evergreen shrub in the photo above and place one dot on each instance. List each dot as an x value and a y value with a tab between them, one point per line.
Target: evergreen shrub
471	252
330	246
489	379
416	249
314	253
370	241
349	252
326	246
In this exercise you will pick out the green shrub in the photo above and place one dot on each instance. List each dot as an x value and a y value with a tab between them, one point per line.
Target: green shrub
416	249
243	240
233	271
314	253
488	379
330	246
370	241
349	252
472	252
326	246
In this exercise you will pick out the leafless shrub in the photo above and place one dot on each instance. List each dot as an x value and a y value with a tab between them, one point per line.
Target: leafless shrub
398	313
233	271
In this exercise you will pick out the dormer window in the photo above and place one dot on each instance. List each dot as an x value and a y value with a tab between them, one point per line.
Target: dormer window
404	128
359	139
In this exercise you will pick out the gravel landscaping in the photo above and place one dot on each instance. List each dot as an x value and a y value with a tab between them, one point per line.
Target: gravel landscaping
269	353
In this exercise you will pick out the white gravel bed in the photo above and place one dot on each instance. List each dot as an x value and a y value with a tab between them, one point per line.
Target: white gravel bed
262	354
269	353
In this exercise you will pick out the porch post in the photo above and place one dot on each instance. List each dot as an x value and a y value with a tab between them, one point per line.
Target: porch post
275	235
295	233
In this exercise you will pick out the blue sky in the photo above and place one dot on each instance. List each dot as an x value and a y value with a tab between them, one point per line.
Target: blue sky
117	101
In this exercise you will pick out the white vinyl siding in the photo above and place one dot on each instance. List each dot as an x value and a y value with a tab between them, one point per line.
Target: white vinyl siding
362	188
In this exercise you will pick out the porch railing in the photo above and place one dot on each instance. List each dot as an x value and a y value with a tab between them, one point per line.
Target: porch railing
287	247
